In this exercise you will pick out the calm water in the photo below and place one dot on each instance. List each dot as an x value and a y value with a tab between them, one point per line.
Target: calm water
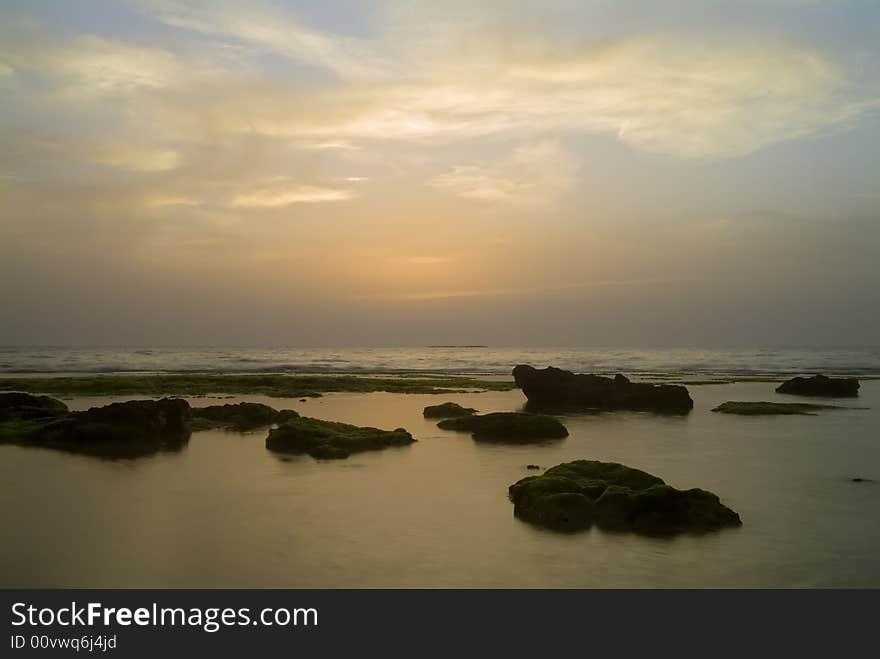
225	512
694	361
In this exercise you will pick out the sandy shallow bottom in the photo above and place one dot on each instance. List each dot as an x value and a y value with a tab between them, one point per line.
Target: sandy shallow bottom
224	512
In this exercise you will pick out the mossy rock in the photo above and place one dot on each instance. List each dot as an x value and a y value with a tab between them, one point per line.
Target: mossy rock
575	495
331	439
447	411
329	452
820	385
748	408
510	427
279	385
120	430
238	416
554	390
15	405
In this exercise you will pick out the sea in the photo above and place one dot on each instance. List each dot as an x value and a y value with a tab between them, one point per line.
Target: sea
225	512
695	362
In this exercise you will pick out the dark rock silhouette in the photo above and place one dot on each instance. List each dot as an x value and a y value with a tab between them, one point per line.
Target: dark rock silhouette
14	405
447	411
511	427
820	385
575	495
331	439
533	466
759	408
238	416
329	452
555	389
119	430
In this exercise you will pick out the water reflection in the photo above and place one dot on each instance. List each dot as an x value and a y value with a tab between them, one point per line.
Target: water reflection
224	511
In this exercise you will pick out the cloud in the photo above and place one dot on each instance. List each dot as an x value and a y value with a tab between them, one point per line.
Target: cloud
674	96
163	201
274	32
677	95
535	175
107	65
421	260
696	100
340	145
283	192
90	64
420	296
138	159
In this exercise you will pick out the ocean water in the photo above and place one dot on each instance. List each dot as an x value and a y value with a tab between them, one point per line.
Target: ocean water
666	361
225	512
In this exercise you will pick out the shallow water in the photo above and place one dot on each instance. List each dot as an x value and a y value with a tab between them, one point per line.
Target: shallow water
224	512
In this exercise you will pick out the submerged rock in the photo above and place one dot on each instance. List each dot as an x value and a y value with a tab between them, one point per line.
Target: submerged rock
575	495
119	430
553	388
763	407
447	411
239	416
820	385
513	427
14	405
331	439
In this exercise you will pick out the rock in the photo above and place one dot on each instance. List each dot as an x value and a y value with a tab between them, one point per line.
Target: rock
575	495
331	439
119	430
512	427
858	479
329	452
763	407
820	385
14	405
533	466
555	389
447	411
239	416
164	415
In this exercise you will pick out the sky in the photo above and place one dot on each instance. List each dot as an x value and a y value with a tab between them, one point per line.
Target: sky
344	173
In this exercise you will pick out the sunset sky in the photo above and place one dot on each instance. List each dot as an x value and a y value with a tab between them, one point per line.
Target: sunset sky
590	172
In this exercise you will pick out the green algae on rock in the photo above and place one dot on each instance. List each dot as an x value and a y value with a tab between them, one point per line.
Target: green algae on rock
748	408
447	411
238	416
511	427
331	439
575	495
15	405
120	430
275	384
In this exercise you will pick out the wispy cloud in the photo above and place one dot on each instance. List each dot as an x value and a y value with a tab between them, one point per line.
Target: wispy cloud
532	176
420	296
134	158
672	96
421	260
284	192
675	95
271	31
91	65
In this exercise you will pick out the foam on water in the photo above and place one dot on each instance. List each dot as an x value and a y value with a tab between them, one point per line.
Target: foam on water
698	362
